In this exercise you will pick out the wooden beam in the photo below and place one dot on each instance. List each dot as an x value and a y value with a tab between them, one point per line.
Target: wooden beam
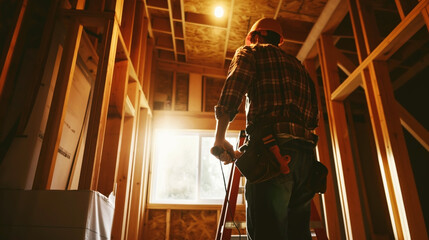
404	31
318	28
208	71
138	187
332	216
413	126
228	29
404	204
357	30
99	107
344	63
125	167
128	21
173	33
6	58
343	156
57	112
114	128
138	36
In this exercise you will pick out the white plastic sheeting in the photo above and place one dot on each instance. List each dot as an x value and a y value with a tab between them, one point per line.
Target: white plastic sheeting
54	214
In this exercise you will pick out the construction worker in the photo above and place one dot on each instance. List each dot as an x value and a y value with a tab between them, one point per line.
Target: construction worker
281	96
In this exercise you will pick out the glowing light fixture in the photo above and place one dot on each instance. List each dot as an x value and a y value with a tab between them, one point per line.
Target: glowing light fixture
218	12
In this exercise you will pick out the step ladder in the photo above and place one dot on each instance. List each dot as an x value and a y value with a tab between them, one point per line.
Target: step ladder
226	219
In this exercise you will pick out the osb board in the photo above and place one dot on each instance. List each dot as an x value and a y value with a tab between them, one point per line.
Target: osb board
245	14
240	25
206	6
155	227
205	45
193	224
240	216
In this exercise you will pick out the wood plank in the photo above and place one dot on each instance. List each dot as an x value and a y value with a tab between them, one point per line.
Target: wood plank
357	30
99	107
407	211
402	33
413	126
114	128
136	42
318	28
143	51
345	169
138	186
6	58
125	167
128	20
147	129
332	219
147	79
52	136
344	63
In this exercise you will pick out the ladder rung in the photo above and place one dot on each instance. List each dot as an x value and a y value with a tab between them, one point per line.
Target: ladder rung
231	225
239	237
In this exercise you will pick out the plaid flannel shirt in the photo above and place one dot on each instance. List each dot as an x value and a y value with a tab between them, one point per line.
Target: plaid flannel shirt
276	86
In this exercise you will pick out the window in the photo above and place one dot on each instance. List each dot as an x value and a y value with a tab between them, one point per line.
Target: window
184	171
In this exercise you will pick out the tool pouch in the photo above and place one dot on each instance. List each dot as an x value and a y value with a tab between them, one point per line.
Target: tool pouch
258	163
317	180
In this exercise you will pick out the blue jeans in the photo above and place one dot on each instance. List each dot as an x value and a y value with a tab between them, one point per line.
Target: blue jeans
279	209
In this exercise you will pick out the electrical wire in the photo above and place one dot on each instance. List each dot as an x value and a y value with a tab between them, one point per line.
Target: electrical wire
227	200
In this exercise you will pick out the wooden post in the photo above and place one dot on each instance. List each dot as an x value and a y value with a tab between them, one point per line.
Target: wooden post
6	58
425	13
52	136
128	22
332	215
346	172
99	107
113	135
404	204
124	168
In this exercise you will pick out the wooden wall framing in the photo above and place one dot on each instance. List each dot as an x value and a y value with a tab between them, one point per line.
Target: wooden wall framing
115	158
387	119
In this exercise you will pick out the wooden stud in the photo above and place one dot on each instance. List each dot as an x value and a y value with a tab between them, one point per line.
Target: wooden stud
136	42
405	205
425	14
128	21
113	135
124	170
52	136
413	126
6	59
346	173
136	188
144	51
402	33
99	108
331	213
357	30
147	79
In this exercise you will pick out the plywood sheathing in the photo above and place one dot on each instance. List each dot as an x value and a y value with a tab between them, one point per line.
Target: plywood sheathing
205	45
193	224
156	225
206	6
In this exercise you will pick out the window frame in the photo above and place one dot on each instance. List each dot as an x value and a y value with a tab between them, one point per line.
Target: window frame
153	202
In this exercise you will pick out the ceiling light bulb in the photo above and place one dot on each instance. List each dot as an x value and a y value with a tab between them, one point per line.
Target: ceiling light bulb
218	12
